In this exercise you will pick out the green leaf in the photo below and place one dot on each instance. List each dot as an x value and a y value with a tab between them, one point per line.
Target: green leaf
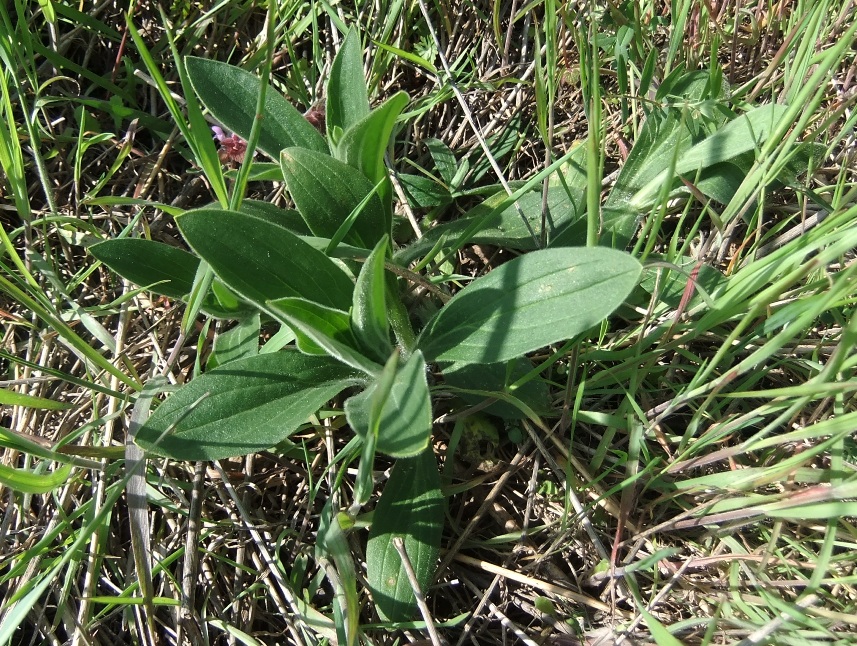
743	134
327	328
333	544
363	145
405	426
230	93
720	181
424	192
565	217
419	61
411	507
34	483
244	406
12	398
238	343
260	171
444	160
159	267
347	98
660	634
364	483
369	309
495	377
288	218
203	146
263	261
528	303
326	191
672	281
659	142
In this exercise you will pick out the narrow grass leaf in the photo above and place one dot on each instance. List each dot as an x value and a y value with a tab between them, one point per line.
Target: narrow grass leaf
203	141
660	634
34	588
419	61
31	482
333	543
12	398
135	487
66	333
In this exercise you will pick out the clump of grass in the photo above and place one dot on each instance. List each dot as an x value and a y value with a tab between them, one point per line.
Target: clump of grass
694	477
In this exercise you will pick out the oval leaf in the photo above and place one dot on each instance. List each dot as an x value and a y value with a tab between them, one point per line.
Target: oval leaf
231	93
245	406
528	303
263	261
411	507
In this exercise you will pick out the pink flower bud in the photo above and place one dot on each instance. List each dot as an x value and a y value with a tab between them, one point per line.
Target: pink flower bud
232	147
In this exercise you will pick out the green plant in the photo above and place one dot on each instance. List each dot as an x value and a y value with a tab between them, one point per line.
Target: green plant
331	281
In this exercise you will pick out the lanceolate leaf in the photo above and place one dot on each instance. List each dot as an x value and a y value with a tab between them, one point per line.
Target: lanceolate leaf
411	507
288	218
369	311
244	406
230	93
363	145
405	425
263	261
660	141
326	191
237	343
326	328
347	100
530	302
565	222
164	269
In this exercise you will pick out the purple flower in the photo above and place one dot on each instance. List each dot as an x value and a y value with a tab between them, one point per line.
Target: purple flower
232	147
